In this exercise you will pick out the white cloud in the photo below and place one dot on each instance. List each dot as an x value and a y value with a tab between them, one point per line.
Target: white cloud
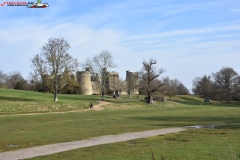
21	42
186	32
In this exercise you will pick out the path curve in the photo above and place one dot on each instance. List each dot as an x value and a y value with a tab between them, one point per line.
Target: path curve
96	107
65	146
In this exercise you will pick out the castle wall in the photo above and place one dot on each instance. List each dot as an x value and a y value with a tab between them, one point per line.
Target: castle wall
95	87
134	76
90	86
113	80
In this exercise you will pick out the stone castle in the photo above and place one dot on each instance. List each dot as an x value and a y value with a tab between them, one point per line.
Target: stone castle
89	84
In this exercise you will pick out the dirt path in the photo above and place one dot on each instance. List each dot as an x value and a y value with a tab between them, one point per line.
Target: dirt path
98	106
65	146
95	107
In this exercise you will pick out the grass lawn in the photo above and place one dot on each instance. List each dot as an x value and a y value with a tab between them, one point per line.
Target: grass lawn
202	144
17	101
123	115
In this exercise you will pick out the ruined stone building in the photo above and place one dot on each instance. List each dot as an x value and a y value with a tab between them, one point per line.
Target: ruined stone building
89	84
132	80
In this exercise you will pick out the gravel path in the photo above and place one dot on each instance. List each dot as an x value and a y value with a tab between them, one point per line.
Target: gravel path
65	146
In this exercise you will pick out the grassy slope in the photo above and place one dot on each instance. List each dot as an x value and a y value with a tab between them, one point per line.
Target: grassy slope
17	101
27	131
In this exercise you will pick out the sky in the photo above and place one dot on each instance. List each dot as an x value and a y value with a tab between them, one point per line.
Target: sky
187	38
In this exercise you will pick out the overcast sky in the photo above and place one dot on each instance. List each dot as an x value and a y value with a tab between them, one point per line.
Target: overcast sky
189	38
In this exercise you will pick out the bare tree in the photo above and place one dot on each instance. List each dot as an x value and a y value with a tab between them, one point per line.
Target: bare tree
196	85
226	81
206	86
41	83
98	66
117	85
148	74
13	78
3	77
31	82
182	89
121	85
203	86
174	87
237	90
170	87
54	63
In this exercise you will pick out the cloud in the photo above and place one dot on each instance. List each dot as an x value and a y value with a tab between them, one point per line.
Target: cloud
187	32
132	32
188	54
21	42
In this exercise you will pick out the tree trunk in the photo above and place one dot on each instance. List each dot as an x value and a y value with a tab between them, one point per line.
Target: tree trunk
55	92
55	97
149	97
102	95
129	94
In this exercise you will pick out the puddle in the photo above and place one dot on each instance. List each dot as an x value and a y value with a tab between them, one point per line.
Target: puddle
211	125
205	126
12	145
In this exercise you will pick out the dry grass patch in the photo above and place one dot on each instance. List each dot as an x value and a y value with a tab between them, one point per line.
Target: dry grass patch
122	106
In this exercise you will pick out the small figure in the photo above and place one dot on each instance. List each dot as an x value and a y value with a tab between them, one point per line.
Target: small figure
91	106
137	96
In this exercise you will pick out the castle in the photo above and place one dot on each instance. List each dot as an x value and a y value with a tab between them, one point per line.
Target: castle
89	84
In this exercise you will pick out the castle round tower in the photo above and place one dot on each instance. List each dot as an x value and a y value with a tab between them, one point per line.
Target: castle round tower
85	82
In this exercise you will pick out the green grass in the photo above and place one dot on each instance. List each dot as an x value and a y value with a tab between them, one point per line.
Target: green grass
17	101
218	144
195	100
124	115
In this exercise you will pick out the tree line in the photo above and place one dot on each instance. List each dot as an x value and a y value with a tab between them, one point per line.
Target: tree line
222	85
54	71
13	80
